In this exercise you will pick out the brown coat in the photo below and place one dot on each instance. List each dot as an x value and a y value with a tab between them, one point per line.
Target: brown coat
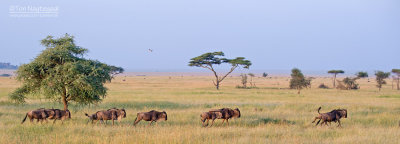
332	116
152	116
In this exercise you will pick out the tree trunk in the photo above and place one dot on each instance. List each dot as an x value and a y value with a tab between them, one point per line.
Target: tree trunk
398	81
334	80
64	99
217	85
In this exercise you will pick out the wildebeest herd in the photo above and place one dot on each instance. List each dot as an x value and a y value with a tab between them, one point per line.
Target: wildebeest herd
112	114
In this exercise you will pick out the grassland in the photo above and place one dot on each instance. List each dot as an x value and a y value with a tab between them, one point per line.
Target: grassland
282	116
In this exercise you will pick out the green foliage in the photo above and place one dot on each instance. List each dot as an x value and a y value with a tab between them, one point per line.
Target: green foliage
61	73
298	80
207	60
380	78
350	83
336	71
362	74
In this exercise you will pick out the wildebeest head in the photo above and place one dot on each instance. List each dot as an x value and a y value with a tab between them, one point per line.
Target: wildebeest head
123	112
237	112
68	113
164	114
343	112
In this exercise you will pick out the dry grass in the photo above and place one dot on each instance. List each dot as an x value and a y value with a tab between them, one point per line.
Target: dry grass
282	116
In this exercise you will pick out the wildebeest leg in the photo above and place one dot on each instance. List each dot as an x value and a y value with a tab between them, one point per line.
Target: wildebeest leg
326	123
113	121
339	124
223	120
54	121
205	123
318	122
212	122
150	123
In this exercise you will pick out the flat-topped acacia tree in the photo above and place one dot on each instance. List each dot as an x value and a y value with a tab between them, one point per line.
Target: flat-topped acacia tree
335	72
61	73
208	60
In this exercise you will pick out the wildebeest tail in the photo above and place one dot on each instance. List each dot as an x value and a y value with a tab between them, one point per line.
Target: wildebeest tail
319	110
87	115
24	118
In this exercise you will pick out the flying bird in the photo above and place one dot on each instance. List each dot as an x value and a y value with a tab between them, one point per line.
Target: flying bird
150	50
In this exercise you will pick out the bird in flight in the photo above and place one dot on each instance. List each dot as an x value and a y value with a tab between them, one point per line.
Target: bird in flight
150	50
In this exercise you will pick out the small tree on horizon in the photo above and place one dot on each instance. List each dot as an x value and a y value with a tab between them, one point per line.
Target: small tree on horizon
397	73
380	78
298	80
60	73
264	74
208	60
335	72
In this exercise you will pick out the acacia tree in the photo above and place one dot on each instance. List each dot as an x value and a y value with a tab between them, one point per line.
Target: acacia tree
335	72
298	80
397	72
380	78
61	73
208	60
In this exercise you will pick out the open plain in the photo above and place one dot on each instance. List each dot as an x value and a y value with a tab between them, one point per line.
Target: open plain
271	113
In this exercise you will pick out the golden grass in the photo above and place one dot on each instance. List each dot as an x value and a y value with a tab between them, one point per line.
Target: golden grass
282	116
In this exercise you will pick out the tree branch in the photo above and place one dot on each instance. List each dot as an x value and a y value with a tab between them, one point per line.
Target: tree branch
233	68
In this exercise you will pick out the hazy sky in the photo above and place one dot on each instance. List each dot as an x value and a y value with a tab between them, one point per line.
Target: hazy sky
273	34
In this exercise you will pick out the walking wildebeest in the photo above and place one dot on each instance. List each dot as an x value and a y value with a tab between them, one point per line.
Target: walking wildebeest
39	114
60	115
332	116
228	113
152	116
110	114
210	115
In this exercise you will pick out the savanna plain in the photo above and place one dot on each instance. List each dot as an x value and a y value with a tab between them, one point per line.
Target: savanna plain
270	113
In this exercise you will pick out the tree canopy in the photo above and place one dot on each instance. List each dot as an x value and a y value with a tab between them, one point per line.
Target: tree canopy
61	73
208	60
361	74
380	78
298	80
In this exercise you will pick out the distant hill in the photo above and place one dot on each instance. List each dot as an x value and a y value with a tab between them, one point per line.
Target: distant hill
7	66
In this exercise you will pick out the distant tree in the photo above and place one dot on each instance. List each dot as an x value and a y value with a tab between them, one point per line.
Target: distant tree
62	74
264	74
380	78
208	60
397	73
335	72
350	83
298	80
251	79
244	80
361	74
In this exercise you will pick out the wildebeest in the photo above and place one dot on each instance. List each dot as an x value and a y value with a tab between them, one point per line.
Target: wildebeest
152	116
39	114
110	114
228	113
60	115
332	116
210	115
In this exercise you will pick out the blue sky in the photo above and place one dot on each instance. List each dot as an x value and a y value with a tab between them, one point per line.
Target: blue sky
274	34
